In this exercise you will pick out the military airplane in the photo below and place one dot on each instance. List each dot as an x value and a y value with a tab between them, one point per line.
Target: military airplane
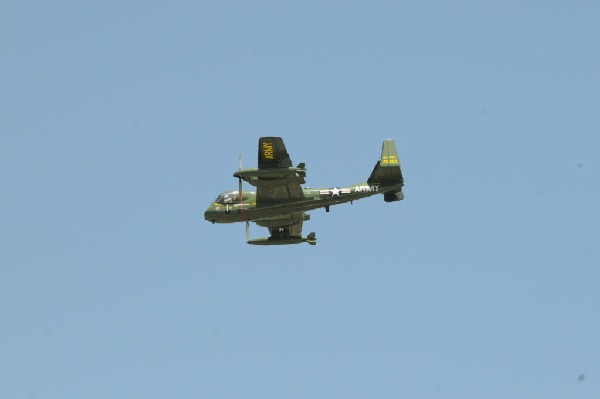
281	204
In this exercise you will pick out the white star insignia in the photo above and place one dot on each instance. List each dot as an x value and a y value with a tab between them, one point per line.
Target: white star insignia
335	192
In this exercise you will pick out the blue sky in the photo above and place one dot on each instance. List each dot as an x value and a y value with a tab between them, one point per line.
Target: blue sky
121	121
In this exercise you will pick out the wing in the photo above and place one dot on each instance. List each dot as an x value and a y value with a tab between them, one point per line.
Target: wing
279	190
272	153
275	179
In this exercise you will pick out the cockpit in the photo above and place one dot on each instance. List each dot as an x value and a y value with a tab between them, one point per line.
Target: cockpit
228	197
230	206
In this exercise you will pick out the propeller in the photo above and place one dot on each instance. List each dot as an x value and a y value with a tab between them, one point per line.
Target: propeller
240	192
240	178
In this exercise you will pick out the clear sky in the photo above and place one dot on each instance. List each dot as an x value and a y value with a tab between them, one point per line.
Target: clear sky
120	121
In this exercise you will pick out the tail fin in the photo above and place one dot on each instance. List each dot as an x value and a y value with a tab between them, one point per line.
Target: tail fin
387	173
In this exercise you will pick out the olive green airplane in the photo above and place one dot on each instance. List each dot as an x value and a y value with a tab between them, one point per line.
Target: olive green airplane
280	203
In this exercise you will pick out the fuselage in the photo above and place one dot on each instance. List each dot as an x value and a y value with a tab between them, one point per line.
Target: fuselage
230	207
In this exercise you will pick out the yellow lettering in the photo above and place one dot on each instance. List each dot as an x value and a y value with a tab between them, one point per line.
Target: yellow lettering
392	159
268	150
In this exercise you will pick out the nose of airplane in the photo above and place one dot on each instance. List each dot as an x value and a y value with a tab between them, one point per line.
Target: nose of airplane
208	215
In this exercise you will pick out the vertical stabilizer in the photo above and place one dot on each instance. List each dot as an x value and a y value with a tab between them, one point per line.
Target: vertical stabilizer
387	172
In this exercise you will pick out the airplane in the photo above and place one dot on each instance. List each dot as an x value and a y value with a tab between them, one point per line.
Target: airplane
281	204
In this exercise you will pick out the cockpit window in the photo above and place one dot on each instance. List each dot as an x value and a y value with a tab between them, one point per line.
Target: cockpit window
230	197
